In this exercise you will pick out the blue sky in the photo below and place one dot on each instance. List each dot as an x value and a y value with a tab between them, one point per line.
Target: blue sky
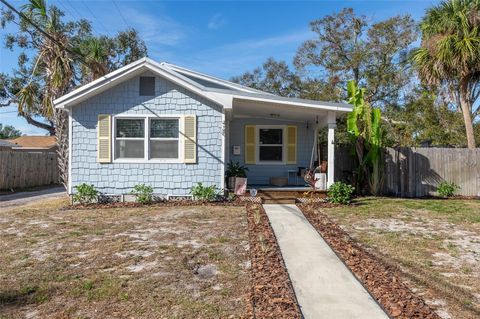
221	38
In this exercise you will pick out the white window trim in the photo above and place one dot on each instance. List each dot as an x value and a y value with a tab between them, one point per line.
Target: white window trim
146	138
284	148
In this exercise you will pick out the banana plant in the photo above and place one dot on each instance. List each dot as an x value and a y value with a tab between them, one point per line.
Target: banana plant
365	130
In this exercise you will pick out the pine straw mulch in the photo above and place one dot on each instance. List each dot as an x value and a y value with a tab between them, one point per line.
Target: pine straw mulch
382	281
272	291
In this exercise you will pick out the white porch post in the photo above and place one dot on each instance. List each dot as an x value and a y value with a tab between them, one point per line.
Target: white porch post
332	125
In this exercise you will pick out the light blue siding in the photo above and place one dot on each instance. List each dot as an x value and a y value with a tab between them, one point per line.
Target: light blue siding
120	178
260	174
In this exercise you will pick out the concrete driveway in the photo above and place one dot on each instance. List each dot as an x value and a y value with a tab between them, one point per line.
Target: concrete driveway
22	198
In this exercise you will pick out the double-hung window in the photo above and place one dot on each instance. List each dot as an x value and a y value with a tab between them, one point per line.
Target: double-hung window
130	138
270	146
147	138
164	139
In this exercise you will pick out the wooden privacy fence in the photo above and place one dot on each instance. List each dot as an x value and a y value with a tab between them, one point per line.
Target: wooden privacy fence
20	169
416	172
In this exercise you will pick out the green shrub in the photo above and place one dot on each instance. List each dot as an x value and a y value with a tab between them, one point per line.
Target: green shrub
236	170
340	193
201	192
143	193
446	189
86	194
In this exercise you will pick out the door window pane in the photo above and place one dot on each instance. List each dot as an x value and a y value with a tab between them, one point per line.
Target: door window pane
166	128
130	128
271	153
271	136
129	149
163	149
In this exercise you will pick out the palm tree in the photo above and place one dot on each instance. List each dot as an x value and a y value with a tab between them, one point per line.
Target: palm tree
55	71
96	55
450	55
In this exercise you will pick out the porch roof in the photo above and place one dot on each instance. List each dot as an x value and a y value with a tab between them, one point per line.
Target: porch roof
276	110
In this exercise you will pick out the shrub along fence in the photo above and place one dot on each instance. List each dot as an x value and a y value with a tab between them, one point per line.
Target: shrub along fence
416	172
21	169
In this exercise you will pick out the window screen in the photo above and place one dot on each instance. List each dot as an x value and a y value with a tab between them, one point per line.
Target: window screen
147	86
129	138
130	128
164	138
271	145
164	128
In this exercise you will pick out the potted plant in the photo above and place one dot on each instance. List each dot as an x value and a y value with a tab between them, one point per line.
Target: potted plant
234	171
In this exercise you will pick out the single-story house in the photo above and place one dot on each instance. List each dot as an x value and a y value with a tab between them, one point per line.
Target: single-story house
35	143
171	128
6	145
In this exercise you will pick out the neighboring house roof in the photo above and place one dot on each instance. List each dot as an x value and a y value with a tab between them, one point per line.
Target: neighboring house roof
34	142
214	89
6	143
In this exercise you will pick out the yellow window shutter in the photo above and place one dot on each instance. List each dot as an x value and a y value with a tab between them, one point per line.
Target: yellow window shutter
250	144
291	144
190	138
104	138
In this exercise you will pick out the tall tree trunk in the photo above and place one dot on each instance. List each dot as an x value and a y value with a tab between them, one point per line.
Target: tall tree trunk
61	133
467	116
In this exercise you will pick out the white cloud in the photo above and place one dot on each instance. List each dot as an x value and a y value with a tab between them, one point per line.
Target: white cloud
237	57
285	39
155	28
216	21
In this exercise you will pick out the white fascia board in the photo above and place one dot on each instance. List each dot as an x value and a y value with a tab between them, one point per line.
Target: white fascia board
126	73
85	92
60	102
223	98
294	103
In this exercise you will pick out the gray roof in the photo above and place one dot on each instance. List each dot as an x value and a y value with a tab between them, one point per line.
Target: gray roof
6	143
214	89
213	84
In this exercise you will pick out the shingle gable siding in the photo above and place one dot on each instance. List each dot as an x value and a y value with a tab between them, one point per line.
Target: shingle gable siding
165	178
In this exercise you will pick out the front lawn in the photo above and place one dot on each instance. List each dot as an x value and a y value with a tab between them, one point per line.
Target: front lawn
435	243
150	262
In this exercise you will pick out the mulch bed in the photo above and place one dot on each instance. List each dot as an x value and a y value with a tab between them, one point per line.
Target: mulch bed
272	292
382	281
166	203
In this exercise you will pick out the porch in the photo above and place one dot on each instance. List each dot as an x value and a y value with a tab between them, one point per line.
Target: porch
277	141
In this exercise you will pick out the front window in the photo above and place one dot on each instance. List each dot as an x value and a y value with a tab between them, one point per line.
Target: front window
130	138
270	144
164	138
162	135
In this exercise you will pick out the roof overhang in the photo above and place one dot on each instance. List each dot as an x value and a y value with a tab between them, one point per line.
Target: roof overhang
235	95
127	72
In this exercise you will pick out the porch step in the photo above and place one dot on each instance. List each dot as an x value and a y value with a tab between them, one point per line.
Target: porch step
287	200
279	196
287	194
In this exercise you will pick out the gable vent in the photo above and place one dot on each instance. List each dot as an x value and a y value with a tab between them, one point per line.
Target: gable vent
147	86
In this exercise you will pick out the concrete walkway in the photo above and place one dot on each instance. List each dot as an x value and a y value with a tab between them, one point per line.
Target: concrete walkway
324	286
22	198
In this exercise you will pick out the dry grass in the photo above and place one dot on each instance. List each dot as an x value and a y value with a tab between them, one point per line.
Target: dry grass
436	243
153	262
